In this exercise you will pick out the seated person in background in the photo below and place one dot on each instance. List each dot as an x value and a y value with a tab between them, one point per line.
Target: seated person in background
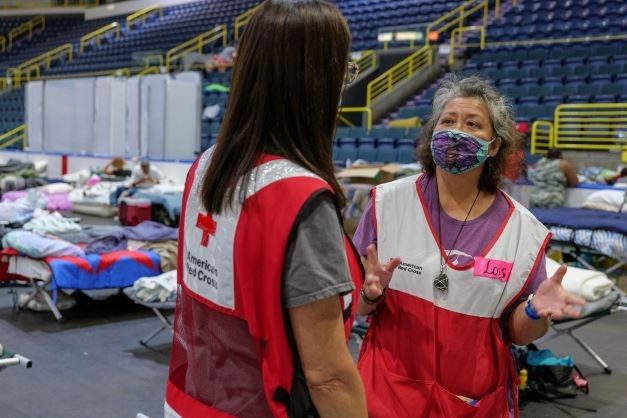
115	167
144	175
550	177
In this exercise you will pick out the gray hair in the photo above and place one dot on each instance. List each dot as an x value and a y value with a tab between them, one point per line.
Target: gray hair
501	116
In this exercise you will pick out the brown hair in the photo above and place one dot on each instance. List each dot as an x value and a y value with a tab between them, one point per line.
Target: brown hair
501	117
117	163
287	81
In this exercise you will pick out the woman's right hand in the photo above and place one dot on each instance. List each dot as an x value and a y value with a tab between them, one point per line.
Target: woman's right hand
378	275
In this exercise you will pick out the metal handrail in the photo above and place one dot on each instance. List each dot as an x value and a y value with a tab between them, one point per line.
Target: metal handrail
149	71
3	43
459	32
241	21
13	136
591	126
27	27
365	110
195	45
398	73
98	34
149	59
457	17
367	60
34	64
553	41
143	15
118	72
542	132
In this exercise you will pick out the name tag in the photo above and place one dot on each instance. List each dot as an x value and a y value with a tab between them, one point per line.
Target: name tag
492	269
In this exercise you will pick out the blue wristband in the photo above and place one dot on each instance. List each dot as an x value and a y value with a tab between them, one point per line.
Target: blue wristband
531	313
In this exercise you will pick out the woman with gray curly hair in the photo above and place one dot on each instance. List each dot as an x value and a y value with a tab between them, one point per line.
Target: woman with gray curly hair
463	273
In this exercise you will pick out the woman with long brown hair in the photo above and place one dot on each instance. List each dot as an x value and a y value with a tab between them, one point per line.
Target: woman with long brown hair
265	300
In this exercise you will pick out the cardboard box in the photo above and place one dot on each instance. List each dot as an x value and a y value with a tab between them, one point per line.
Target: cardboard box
370	174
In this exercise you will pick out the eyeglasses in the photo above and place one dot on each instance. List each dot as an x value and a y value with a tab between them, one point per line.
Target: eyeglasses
352	71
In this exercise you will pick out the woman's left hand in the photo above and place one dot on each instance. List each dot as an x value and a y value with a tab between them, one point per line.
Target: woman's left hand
551	300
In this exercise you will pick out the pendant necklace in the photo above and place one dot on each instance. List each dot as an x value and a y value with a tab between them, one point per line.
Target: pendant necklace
441	280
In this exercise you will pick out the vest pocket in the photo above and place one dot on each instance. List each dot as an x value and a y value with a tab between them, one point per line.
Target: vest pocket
492	405
403	397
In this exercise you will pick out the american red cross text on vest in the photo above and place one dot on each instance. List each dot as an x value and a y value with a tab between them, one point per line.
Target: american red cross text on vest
208	227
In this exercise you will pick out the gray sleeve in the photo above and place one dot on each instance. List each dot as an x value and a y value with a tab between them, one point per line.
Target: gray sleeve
315	262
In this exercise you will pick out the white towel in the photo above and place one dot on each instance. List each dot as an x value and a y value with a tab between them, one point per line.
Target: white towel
588	284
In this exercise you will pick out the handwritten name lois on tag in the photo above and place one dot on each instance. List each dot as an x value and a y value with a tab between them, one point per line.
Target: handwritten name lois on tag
492	269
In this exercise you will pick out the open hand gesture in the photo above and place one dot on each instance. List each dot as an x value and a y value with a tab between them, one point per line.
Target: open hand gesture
551	300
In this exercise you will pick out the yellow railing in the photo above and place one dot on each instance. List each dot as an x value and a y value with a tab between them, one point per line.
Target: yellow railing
25	70
3	84
541	136
457	32
25	4
142	15
591	126
553	41
367	61
13	136
365	110
241	21
149	71
27	28
407	123
119	72
457	17
195	45
98	34
151	59
400	72
3	44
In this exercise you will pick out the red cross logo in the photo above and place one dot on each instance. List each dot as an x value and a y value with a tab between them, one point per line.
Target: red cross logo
208	227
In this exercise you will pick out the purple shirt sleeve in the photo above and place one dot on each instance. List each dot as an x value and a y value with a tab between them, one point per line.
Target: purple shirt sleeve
539	275
366	232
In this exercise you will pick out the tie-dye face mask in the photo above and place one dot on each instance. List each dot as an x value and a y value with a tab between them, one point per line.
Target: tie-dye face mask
457	152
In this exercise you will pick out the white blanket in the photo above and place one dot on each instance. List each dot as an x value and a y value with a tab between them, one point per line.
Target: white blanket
50	223
98	194
588	284
160	288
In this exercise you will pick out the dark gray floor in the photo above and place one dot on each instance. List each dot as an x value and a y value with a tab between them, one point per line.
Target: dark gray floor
92	364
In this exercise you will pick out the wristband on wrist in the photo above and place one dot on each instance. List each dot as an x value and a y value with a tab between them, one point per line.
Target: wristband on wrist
374	301
531	313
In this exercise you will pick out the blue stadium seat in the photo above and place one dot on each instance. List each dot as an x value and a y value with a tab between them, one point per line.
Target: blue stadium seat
386	152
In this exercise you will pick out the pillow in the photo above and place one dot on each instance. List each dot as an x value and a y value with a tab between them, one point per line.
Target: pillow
608	200
54	188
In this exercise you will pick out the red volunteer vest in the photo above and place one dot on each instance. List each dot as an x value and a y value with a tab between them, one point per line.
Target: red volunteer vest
432	354
231	356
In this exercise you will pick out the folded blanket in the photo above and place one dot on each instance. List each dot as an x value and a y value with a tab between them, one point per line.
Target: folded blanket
588	284
160	288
